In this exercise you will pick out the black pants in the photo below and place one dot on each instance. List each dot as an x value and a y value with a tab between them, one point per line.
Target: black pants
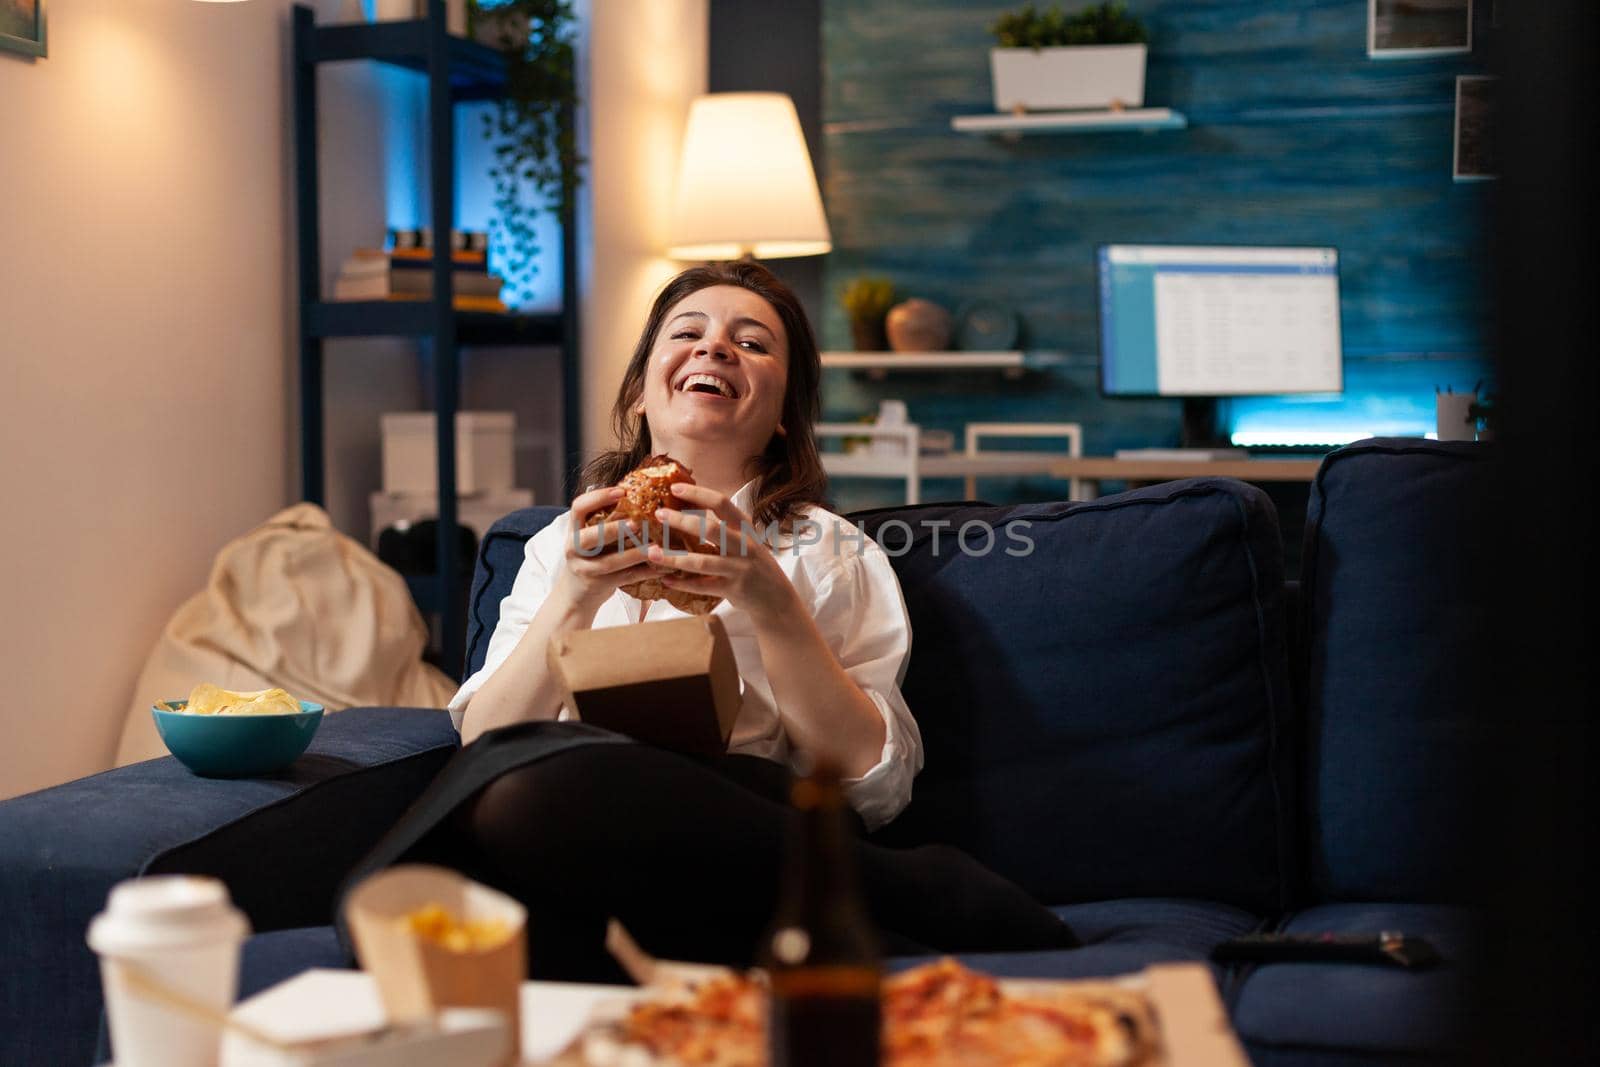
684	851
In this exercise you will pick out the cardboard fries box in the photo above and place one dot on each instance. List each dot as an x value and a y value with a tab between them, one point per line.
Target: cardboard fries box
671	683
417	978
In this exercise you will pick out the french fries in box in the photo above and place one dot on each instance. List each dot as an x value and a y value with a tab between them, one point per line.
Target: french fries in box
432	938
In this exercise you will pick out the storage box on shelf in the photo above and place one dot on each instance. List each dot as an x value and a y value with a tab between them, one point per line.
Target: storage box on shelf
484	460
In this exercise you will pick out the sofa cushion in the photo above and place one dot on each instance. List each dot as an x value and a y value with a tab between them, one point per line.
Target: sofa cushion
1194	926
1120	937
1398	623
1360	1007
500	555
1103	695
1125	936
1090	961
281	842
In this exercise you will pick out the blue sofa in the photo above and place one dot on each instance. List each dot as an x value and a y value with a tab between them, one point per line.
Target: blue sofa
1126	709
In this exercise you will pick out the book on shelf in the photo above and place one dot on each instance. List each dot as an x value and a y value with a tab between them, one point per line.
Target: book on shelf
491	304
417	258
475	303
417	283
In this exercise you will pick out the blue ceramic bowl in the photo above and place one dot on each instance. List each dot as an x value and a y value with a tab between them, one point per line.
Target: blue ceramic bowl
235	746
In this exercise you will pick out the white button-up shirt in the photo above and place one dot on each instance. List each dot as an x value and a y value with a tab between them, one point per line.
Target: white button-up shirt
854	597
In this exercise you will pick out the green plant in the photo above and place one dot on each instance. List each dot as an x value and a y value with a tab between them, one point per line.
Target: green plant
862	442
533	125
1484	410
867	298
1104	23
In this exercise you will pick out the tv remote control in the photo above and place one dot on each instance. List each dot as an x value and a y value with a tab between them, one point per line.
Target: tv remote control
1388	947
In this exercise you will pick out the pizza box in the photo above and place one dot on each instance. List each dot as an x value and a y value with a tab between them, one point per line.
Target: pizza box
328	1018
671	683
1189	1015
1180	1001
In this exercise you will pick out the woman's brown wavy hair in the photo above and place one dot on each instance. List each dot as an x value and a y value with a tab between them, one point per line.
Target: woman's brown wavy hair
789	472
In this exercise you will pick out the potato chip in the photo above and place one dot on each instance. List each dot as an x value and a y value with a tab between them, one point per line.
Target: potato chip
208	699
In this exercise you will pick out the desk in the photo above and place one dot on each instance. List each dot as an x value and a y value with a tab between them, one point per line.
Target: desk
947	465
1090	471
1093	470
912	469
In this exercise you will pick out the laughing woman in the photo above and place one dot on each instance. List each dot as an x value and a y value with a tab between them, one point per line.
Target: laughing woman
582	825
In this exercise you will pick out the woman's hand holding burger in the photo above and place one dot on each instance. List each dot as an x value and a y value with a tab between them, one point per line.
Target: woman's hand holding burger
523	689
743	571
594	567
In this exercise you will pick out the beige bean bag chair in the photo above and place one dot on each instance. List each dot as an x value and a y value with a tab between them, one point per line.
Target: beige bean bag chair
293	603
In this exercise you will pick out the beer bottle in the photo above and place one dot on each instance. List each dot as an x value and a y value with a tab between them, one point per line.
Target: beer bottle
822	951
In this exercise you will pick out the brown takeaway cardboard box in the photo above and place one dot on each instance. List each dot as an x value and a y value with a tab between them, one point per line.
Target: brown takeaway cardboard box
417	978
670	683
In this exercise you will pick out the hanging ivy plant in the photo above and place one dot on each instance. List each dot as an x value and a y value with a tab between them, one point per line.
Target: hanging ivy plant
532	127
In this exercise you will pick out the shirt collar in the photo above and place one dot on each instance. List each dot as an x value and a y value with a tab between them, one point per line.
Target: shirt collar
745	499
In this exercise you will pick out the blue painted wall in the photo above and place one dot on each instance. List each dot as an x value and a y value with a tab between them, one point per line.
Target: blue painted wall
1296	137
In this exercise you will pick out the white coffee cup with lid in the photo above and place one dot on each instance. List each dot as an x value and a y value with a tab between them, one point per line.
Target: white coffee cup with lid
181	933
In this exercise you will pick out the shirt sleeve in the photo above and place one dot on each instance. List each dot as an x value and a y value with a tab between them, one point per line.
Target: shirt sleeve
528	591
862	615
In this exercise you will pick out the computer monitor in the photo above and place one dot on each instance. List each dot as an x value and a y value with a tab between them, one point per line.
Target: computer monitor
1203	322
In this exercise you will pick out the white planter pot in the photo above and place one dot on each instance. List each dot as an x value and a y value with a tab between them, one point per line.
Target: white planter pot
1057	79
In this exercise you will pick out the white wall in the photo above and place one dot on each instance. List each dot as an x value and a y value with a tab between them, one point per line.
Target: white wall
147	318
647	61
146	339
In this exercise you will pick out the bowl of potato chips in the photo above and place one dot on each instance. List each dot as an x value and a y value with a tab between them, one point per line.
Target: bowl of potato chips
220	733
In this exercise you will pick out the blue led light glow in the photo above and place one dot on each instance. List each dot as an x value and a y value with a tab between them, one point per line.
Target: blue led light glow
1381	398
475	210
402	106
403	110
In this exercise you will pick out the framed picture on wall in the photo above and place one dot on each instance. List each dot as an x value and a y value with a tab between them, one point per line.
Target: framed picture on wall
1475	155
22	26
1399	29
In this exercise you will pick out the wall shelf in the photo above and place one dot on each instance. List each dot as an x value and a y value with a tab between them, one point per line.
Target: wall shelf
457	70
476	71
414	318
878	365
1140	118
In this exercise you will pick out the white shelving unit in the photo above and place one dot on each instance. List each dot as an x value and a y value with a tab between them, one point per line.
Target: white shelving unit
1138	118
895	453
880	364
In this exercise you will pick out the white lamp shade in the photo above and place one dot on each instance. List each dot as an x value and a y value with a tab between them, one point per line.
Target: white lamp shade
745	183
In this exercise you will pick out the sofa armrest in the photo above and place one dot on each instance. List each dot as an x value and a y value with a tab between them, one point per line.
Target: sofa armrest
282	843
